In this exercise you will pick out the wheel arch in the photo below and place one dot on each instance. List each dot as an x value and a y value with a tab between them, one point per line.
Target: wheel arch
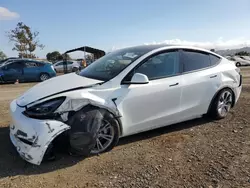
117	118
112	115
49	141
216	94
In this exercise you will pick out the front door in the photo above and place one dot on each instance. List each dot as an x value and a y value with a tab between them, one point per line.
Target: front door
13	72
156	104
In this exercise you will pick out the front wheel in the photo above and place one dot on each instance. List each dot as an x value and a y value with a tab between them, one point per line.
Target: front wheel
238	64
222	104
93	131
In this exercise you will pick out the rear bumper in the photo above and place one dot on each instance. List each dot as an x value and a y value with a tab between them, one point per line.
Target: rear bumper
237	92
53	74
31	137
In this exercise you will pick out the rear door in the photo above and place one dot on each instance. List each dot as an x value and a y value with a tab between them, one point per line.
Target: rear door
200	79
31	71
69	65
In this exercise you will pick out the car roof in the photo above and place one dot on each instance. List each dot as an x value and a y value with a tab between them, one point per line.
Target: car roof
146	47
21	59
152	47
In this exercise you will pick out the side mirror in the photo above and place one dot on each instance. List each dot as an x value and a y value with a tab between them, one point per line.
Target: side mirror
139	78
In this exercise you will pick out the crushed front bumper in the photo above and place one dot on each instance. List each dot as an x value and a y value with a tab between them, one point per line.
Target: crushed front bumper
31	137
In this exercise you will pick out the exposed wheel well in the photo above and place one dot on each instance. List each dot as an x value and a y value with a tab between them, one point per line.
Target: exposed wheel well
216	94
115	117
111	113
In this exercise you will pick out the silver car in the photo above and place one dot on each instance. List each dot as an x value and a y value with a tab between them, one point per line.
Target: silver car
72	66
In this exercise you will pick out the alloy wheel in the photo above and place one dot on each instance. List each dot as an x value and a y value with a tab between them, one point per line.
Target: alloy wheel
224	103
44	77
105	137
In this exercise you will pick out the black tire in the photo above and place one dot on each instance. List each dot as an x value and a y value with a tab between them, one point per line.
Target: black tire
50	153
238	64
43	77
82	139
214	110
75	69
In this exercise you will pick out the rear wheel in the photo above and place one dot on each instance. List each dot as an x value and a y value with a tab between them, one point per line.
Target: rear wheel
238	64
44	77
74	69
222	104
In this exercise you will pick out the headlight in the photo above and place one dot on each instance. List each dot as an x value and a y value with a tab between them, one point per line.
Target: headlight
45	109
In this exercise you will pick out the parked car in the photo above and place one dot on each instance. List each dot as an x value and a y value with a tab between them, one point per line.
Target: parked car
245	58
240	61
72	66
10	59
125	92
25	70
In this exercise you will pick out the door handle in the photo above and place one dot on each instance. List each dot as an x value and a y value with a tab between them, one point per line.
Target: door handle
173	84
213	76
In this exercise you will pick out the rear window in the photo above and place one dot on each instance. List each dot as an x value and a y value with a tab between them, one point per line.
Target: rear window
32	64
194	60
214	59
40	64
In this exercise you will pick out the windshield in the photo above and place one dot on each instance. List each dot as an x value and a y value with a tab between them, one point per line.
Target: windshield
112	64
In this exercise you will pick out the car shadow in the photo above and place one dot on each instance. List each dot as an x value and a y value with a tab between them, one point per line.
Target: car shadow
12	165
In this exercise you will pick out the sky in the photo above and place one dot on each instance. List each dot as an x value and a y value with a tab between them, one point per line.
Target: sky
113	24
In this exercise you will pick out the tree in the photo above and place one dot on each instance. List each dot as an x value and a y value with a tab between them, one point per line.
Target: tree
25	41
2	55
65	56
56	56
53	56
242	53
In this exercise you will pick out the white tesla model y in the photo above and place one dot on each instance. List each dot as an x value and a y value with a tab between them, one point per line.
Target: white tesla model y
125	92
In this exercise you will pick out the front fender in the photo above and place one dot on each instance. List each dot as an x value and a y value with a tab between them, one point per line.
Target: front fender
40	135
46	135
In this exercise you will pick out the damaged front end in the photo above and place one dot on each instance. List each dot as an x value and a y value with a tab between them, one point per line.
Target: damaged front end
30	136
34	128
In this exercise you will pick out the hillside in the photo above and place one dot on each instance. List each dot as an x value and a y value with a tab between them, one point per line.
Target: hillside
232	51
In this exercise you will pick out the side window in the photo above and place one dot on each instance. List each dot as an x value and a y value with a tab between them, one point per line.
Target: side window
193	60
39	64
60	64
15	65
30	64
160	66
214	59
69	62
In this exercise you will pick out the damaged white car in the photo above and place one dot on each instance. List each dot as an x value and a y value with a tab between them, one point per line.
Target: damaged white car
125	92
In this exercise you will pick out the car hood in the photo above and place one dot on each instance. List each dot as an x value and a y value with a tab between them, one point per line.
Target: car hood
54	86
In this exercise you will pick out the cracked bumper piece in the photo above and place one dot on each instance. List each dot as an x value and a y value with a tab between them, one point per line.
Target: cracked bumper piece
31	137
237	92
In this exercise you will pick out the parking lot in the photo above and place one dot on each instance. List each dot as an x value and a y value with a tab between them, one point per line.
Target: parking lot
197	153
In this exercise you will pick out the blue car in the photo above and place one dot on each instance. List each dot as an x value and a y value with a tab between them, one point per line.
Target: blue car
25	70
